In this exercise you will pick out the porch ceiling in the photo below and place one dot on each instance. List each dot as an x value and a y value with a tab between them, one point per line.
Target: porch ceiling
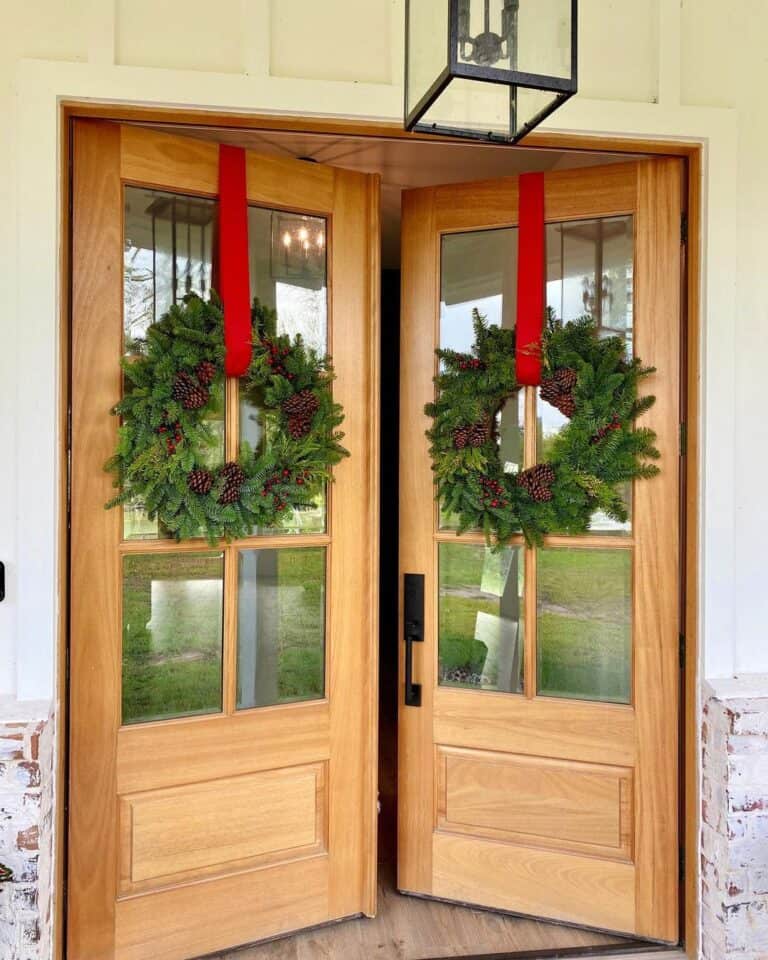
402	164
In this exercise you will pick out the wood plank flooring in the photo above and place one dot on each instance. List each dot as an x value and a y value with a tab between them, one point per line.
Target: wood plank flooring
407	928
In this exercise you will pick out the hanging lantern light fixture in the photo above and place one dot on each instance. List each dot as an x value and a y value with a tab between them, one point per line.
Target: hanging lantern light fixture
487	69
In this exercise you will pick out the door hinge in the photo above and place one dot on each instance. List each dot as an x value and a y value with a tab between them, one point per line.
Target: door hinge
683	439
682	651
684	229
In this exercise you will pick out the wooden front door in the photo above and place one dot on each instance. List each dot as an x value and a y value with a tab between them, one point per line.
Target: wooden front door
539	775
222	697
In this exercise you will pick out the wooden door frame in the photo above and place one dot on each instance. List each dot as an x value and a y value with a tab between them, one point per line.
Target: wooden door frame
692	153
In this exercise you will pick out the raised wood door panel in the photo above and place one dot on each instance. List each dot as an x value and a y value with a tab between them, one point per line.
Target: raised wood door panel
196	833
545	800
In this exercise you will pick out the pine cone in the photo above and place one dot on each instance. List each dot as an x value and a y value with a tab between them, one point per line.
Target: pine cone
230	494
189	394
537	481
200	481
479	433
299	426
183	386
549	389
558	390
302	404
566	378
233	473
196	399
460	437
206	372
234	478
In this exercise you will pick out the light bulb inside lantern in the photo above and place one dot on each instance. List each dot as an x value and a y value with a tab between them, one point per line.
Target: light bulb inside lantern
286	239
320	240
303	234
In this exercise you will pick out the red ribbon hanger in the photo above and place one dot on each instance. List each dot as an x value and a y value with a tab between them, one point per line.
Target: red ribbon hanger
530	279
234	281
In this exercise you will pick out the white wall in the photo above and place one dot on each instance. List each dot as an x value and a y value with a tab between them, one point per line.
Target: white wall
676	68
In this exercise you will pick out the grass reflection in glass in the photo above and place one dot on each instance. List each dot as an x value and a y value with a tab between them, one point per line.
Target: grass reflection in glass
481	617
281	626
584	624
172	635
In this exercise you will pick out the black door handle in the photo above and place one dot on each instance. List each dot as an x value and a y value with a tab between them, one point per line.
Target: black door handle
413	617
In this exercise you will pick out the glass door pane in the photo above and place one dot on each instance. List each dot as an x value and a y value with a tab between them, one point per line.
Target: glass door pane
481	617
280	626
590	271
584	624
167	253
172	635
288	271
479	273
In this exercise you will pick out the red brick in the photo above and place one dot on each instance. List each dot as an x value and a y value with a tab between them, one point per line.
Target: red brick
28	839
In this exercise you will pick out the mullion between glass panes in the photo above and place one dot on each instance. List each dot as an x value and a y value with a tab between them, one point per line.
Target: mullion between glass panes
530	609
229	659
231	418
229	662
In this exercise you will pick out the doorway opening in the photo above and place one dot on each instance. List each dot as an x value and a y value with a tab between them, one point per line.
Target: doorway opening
409	927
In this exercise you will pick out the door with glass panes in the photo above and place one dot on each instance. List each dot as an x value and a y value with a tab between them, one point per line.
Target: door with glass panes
222	762
539	774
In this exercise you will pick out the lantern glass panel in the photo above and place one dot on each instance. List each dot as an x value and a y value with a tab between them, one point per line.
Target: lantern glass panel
427	53
500	68
483	108
529	36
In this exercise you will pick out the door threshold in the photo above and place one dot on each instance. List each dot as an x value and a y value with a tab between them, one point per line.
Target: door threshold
624	943
637	948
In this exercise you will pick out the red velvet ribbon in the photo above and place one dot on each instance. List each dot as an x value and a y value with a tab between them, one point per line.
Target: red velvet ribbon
234	282
530	279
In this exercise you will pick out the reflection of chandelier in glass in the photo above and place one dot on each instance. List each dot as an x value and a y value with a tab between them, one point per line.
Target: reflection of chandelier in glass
300	238
298	246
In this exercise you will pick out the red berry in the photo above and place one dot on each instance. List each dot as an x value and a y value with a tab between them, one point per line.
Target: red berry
163	429
494	503
299	480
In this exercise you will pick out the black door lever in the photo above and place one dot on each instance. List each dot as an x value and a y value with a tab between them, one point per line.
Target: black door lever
413	616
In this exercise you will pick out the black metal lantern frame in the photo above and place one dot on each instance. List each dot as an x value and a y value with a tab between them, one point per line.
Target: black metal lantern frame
487	49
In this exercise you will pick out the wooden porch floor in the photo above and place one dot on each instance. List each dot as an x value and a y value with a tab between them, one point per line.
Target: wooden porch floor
408	928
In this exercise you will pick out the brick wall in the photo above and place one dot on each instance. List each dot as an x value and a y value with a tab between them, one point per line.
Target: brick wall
734	848
26	832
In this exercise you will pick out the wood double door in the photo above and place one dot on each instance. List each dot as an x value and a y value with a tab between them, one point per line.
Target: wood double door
539	774
223	697
223	762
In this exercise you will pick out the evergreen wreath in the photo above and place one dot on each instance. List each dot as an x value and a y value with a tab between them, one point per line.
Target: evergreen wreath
590	381
166	457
